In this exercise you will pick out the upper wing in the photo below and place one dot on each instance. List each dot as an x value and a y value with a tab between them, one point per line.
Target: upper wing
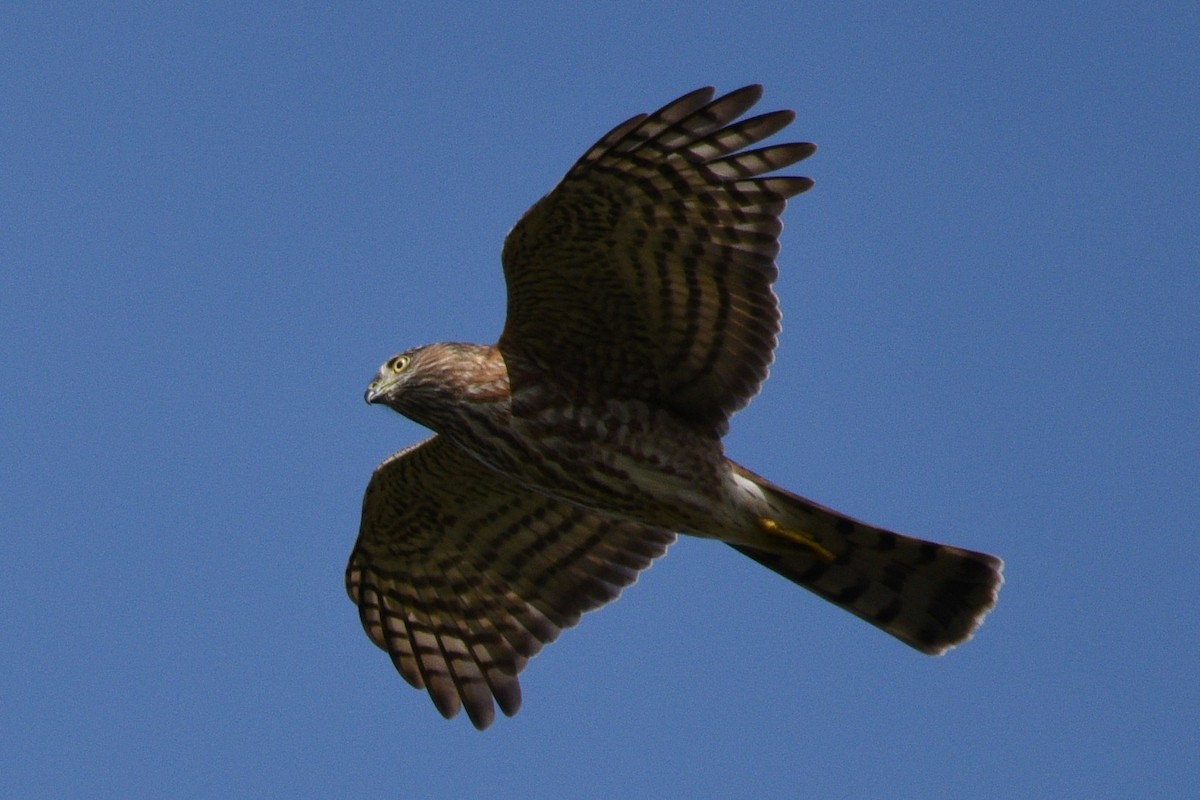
462	575
647	272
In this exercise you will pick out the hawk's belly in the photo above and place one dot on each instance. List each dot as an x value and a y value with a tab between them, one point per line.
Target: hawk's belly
623	458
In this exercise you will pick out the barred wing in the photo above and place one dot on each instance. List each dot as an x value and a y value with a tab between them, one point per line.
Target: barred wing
462	575
646	273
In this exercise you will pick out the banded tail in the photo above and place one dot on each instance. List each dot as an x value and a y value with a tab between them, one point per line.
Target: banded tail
929	596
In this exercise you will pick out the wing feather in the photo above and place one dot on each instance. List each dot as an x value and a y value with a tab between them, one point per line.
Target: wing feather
647	272
461	575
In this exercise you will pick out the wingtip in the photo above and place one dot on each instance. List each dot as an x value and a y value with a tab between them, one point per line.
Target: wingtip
481	716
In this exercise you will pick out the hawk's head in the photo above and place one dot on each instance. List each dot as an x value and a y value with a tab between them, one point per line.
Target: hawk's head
428	383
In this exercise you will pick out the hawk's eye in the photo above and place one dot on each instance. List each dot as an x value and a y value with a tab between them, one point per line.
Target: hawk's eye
398	363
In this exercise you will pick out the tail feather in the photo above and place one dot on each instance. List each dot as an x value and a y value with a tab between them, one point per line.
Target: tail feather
929	596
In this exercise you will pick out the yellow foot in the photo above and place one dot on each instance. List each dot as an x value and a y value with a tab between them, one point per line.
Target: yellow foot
772	527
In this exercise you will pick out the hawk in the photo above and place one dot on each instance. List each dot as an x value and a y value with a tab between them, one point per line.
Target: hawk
568	455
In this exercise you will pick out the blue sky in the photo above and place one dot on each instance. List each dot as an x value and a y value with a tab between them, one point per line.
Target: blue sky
216	221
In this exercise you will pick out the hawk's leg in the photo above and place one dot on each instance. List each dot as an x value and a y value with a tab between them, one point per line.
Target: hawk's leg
773	528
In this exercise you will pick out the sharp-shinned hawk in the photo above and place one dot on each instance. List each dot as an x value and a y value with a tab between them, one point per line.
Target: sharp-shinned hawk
566	456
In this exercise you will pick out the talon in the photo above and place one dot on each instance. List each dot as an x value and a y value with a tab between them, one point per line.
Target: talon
774	528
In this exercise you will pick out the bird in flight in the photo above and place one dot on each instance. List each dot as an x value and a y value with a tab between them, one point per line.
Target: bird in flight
566	457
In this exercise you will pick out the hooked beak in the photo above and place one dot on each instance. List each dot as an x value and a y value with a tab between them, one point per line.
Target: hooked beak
373	393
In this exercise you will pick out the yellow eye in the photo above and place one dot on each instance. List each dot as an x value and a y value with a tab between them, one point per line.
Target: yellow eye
398	363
